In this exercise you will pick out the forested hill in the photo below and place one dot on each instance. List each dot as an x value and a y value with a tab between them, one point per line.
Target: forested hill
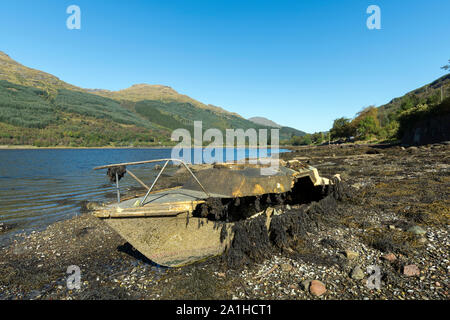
37	108
398	117
429	94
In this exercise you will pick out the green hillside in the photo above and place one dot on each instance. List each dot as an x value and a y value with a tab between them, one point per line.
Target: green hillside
25	106
39	109
419	111
286	133
14	72
389	121
429	94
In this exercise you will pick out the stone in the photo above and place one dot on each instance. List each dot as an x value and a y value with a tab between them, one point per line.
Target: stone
317	288
286	267
422	240
411	270
390	257
417	230
305	284
357	273
351	255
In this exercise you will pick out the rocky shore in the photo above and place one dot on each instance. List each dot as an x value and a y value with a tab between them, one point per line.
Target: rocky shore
393	220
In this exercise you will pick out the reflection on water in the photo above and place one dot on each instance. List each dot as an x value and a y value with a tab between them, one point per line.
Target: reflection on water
38	187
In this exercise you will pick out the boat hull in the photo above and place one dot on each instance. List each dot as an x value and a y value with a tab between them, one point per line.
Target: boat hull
173	241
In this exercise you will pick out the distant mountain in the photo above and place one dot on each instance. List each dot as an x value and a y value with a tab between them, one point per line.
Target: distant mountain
37	108
288	132
264	122
285	132
14	72
140	92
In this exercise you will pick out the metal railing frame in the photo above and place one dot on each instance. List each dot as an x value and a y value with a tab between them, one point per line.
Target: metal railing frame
149	189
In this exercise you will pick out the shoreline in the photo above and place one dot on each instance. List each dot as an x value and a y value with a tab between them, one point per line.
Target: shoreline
370	227
26	147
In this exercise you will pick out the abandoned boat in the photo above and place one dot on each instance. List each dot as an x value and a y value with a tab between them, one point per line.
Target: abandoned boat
177	226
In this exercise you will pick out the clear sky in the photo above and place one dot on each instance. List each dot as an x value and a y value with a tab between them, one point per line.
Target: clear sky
299	63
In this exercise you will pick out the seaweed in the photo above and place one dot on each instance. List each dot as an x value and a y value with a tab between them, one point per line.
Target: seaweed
119	170
287	233
250	243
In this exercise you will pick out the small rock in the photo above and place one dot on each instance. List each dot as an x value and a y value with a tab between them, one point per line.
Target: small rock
357	273
417	230
390	257
305	284
351	255
286	267
411	270
317	288
422	240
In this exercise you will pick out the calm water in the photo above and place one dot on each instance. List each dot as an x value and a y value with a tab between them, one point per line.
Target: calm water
39	187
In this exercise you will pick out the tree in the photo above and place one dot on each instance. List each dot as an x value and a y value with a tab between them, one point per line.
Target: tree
301	141
370	111
317	137
367	127
342	128
367	123
447	66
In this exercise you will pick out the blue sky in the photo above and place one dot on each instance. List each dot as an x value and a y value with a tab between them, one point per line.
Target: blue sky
299	63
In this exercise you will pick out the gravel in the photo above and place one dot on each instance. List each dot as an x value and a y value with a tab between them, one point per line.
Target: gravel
396	218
